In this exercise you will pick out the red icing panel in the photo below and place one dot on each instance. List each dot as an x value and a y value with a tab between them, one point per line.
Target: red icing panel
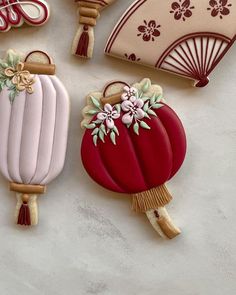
137	162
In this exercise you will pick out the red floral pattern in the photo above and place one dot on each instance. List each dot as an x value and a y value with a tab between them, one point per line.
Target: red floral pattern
219	7
182	10
132	57
149	31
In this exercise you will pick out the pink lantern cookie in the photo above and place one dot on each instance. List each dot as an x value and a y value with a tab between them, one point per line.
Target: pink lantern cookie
185	37
133	144
14	13
89	12
34	115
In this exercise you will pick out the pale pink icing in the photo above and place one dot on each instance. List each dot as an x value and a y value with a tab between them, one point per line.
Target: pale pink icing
33	132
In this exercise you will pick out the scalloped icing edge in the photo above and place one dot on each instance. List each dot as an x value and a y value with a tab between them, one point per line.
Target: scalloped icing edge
152	89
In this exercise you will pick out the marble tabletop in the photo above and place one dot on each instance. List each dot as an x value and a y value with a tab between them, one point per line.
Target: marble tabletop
88	241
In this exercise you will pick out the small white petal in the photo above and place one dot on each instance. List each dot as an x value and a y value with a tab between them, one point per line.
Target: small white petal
140	114
110	123
127	106
126	88
101	116
132	98
108	108
139	103
115	115
127	118
124	96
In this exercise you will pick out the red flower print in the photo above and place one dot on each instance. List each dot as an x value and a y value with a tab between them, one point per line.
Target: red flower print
149	31
182	10
219	7
132	57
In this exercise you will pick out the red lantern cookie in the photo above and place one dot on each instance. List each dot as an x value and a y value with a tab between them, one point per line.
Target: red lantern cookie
89	12
185	37
133	144
15	13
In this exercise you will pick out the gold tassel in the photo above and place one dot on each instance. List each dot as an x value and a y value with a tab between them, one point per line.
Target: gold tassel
151	199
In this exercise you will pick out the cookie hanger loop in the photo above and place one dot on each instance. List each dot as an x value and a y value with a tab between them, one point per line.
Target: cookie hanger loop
26	212
39	62
112	99
153	201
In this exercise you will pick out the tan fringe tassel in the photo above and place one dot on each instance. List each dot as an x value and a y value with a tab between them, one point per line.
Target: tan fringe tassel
151	199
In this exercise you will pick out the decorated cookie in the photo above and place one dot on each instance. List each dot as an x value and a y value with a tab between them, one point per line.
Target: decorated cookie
14	13
133	144
89	12
34	114
185	37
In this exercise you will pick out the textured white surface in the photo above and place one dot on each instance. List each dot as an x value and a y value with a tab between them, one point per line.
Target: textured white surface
88	241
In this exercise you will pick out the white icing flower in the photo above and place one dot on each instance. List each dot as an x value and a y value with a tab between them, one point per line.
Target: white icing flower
108	115
129	94
133	110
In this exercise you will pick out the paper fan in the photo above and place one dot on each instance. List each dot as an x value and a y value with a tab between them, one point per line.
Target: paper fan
185	37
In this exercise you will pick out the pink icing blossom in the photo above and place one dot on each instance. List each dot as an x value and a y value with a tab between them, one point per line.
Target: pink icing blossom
129	94
108	115
133	111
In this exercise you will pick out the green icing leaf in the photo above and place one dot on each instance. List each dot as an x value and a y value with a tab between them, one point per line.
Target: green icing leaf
118	107
113	137
136	128
159	97
146	115
95	139
115	129
145	125
97	121
90	126
8	83
101	135
151	112
92	112
95	102
103	129
10	58
146	106
95	131
153	99
4	65
157	106
146	86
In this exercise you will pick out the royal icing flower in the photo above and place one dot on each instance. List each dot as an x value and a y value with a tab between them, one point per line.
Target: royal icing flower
109	114
132	57
129	93
219	7
22	79
133	111
182	10
149	31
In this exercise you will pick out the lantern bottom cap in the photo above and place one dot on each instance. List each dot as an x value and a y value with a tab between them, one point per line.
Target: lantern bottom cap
151	199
